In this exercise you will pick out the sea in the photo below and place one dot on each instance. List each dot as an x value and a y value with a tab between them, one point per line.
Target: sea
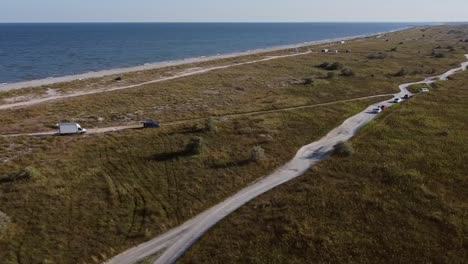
38	51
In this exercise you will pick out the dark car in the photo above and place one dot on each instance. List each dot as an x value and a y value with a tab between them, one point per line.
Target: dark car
151	124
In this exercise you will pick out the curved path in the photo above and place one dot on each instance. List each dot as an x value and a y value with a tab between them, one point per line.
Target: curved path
178	240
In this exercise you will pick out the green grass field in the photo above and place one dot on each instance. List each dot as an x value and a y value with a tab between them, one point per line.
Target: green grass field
400	198
85	199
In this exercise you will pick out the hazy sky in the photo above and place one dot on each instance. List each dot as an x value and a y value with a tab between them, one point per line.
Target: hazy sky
231	10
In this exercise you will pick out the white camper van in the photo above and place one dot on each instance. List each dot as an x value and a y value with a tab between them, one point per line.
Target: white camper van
70	129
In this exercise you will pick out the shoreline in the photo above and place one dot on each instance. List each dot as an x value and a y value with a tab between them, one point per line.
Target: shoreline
5	87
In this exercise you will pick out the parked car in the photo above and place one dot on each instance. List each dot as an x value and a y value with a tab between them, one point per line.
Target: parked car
407	96
397	100
424	90
70	129
377	110
151	124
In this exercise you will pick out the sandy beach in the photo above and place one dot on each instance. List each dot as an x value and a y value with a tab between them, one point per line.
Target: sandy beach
4	87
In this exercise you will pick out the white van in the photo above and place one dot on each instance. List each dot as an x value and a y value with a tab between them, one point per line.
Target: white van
70	129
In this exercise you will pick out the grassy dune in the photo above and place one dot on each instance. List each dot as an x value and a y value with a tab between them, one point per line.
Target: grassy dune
400	198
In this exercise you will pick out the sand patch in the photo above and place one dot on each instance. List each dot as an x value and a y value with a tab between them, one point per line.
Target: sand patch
4	222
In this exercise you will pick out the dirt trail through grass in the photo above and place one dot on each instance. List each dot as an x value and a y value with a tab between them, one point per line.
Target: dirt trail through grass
178	240
36	101
138	126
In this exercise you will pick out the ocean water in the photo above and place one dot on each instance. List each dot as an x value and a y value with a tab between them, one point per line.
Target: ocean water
38	51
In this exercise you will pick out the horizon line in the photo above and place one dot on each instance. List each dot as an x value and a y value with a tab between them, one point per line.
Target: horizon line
208	22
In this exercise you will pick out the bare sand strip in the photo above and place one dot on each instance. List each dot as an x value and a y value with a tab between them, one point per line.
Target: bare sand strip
152	66
178	240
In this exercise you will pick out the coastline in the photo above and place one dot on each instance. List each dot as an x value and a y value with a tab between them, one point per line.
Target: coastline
5	87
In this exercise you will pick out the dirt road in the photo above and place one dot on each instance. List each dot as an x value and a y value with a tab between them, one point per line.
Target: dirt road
178	240
227	116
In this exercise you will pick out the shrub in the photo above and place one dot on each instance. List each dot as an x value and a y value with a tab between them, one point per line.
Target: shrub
343	149
308	81
257	154
27	173
324	65
195	146
335	66
347	72
211	125
331	66
401	72
436	54
376	56
394	49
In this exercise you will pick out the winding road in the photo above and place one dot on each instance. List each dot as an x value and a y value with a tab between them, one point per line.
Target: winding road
174	243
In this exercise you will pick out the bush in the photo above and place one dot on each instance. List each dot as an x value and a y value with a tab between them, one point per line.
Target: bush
401	72
195	146
210	125
394	49
308	81
27	173
331	66
335	66
343	149
436	54
376	56
257	154
347	72
324	65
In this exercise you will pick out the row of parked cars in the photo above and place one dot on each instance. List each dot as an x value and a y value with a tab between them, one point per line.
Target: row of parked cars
395	101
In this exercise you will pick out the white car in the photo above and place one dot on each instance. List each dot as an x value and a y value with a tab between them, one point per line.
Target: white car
424	90
397	100
377	110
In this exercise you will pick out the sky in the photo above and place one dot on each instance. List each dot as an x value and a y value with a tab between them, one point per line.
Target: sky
233	10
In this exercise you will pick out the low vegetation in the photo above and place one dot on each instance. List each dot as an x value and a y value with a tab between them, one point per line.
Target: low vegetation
378	56
343	149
